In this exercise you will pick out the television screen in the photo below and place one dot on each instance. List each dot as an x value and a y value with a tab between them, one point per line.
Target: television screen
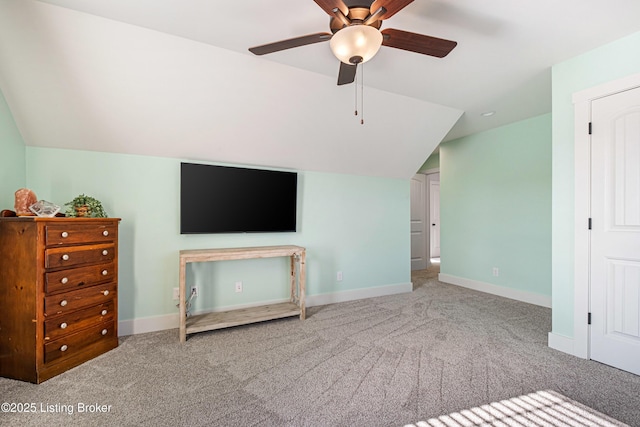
223	199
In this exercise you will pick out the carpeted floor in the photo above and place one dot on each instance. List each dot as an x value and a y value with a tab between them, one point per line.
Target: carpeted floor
543	408
385	361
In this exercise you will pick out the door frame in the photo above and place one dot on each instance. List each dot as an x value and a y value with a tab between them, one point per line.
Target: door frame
429	173
425	217
430	179
582	204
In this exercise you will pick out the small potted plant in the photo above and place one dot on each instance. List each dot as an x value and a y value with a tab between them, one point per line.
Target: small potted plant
85	206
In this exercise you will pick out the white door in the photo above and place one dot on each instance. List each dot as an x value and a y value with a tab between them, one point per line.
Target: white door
615	234
434	218
418	232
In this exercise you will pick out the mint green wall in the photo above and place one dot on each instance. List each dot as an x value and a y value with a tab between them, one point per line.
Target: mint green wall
433	162
495	206
358	225
607	63
12	158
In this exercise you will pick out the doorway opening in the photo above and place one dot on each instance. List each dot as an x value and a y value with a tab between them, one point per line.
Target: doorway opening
425	220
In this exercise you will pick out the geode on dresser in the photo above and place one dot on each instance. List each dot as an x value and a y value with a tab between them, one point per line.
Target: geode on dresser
24	199
44	208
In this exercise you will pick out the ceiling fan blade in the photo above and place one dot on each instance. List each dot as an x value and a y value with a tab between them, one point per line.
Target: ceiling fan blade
418	43
329	5
290	43
392	7
347	73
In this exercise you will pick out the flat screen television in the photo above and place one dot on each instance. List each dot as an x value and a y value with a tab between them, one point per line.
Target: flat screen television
224	199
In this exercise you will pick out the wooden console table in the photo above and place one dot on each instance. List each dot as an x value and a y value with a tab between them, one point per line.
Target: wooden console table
218	320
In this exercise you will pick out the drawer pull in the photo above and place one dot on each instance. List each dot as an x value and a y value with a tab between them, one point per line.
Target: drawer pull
63	325
103	312
64	280
63	302
65	257
105	233
105	293
104	332
64	234
105	272
64	348
105	252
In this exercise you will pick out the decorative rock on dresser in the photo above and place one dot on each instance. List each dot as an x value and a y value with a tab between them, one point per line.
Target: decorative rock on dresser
58	294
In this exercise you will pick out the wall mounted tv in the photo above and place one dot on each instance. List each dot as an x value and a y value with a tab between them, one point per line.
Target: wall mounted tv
223	199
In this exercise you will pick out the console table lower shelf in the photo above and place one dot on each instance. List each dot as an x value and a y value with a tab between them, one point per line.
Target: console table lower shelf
244	316
226	319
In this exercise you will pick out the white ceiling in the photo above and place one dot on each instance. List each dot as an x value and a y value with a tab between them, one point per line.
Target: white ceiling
502	64
502	61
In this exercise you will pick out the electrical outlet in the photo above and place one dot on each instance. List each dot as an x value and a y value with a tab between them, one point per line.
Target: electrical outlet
496	271
176	294
238	286
194	291
339	276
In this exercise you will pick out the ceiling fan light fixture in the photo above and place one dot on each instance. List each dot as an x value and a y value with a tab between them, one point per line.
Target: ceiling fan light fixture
356	44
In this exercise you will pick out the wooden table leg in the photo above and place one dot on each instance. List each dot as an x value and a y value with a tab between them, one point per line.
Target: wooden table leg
294	294
183	301
302	280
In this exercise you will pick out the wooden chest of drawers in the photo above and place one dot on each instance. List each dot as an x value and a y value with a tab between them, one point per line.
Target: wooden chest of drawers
58	294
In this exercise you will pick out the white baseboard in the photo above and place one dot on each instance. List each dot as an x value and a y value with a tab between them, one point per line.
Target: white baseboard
561	343
516	294
356	294
170	321
147	324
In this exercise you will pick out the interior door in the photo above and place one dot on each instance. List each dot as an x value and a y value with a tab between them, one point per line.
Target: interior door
418	232
434	218
615	234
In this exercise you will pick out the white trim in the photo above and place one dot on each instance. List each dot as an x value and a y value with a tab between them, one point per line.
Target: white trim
425	218
431	177
606	89
515	294
356	294
430	171
561	343
582	212
582	204
170	321
148	324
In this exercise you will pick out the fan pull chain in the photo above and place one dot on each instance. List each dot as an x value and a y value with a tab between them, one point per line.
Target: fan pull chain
355	112
362	94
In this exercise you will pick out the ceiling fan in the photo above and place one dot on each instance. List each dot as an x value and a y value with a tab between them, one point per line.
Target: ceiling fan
356	37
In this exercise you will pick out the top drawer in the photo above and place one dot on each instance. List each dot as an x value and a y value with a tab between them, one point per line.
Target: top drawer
65	234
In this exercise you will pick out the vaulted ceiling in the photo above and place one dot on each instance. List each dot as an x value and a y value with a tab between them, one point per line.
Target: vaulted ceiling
174	78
